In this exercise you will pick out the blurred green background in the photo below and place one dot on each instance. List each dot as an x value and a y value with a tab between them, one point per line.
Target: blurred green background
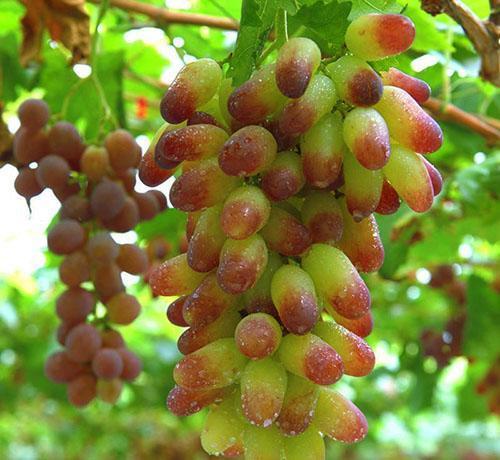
436	300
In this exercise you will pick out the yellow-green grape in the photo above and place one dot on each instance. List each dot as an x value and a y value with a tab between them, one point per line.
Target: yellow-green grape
306	446
321	214
263	443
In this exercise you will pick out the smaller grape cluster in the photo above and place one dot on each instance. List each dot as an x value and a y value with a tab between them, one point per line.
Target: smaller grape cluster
489	386
95	185
280	178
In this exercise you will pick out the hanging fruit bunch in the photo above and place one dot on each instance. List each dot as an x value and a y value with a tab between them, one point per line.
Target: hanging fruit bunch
280	178
95	185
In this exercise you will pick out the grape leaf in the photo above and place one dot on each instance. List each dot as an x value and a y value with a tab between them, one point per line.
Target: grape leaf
12	75
360	7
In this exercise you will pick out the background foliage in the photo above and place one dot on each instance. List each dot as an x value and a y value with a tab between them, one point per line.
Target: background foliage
416	408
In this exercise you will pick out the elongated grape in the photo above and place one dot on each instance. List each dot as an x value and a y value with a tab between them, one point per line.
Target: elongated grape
321	214
284	177
202	186
336	279
258	335
408	175
306	446
194	85
150	173
361	326
298	406
389	200
174	277
285	234
175	312
377	36
297	61
245	211
263	386
299	115
408	123
284	141
241	263
257	98
338	418
26	183
294	296
367	136
362	187
357	356
434	175
203	118
216	365
310	357
263	443
355	81
184	401
416	88
248	151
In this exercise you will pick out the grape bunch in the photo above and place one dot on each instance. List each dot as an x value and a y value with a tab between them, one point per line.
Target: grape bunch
489	386
95	185
280	178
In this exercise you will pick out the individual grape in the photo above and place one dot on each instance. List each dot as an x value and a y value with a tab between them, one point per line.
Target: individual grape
26	183
357	356
216	365
132	366
112	339
126	219
355	81
298	405
94	163
310	357
263	443
62	332
408	123
366	135
195	338
362	187
322	216
132	259
416	88
102	248
258	335
257	98
284	177
107	200
128	178
203	118
65	142
361	242
376	36
263	386
223	430
389	200
82	343
123	150
248	151
74	269
174	277
434	175
61	369
408	175
338	418
341	286
306	446
207	241
241	263
150	173
160	198
299	115
184	401
33	114
204	185
175	312
107	364
76	207
107	281
245	212
361	326
123	308
30	146
285	234
297	61
52	172
66	190
65	237
74	305
109	391
194	85
147	204
82	390
191	143
322	148
294	297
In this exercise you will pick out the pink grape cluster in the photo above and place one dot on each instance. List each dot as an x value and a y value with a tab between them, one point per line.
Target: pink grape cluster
280	178
95	185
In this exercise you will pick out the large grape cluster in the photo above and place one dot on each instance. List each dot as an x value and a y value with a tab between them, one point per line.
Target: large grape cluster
95	186
280	178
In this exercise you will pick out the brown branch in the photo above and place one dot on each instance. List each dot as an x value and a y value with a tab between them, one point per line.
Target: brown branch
449	112
165	16
484	35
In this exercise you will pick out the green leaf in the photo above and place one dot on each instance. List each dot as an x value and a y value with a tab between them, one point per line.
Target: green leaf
361	7
472	406
12	75
169	224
